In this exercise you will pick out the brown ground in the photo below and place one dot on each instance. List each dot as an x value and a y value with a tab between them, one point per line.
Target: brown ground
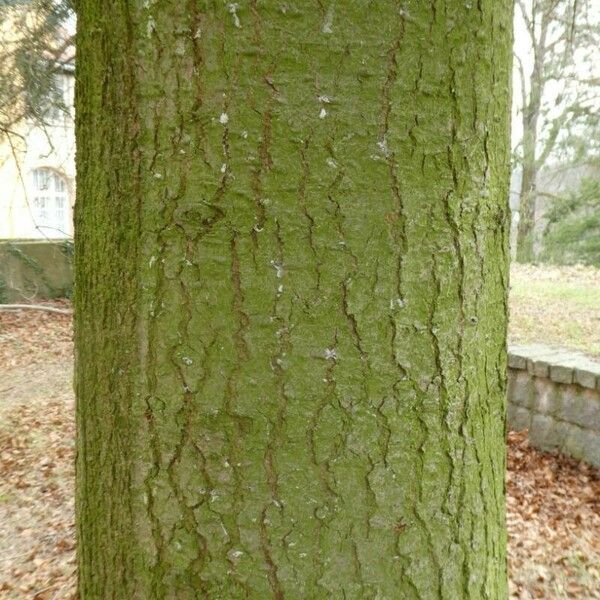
37	433
553	503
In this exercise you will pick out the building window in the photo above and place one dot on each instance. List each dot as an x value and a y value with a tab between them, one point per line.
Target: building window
50	205
58	100
49	101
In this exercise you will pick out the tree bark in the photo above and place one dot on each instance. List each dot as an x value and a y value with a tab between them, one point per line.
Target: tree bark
291	275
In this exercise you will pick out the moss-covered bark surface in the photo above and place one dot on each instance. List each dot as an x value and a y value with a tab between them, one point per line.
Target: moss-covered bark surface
291	298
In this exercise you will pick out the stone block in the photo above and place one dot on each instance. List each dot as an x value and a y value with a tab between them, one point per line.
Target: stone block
580	406
585	378
519	418
548	397
583	444
511	410
539	368
591	453
516	361
573	367
511	383
562	373
586	372
576	443
553	362
560	433
541	432
522	389
532	355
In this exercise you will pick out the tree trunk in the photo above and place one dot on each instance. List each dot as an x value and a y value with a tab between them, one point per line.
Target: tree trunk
291	257
531	113
530	119
527	197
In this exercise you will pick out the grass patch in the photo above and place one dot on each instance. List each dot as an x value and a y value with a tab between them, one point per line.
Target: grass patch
549	291
558	306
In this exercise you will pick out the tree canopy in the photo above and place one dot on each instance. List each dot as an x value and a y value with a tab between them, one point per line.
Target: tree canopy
573	231
37	44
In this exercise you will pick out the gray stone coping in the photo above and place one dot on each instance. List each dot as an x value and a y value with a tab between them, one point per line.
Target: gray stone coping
558	364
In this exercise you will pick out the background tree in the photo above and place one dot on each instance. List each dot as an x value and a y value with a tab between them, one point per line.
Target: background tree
34	47
558	93
572	234
291	272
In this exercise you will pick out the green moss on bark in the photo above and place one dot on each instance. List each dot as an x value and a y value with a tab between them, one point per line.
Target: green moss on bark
291	299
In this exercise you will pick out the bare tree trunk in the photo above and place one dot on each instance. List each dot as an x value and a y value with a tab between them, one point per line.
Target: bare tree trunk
526	226
531	115
291	258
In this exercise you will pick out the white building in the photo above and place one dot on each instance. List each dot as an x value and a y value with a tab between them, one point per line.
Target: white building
37	172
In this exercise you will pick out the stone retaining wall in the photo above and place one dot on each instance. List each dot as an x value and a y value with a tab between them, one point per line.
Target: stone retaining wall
35	270
556	395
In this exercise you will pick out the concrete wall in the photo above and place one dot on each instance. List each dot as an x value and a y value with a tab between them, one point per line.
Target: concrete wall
32	270
556	395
